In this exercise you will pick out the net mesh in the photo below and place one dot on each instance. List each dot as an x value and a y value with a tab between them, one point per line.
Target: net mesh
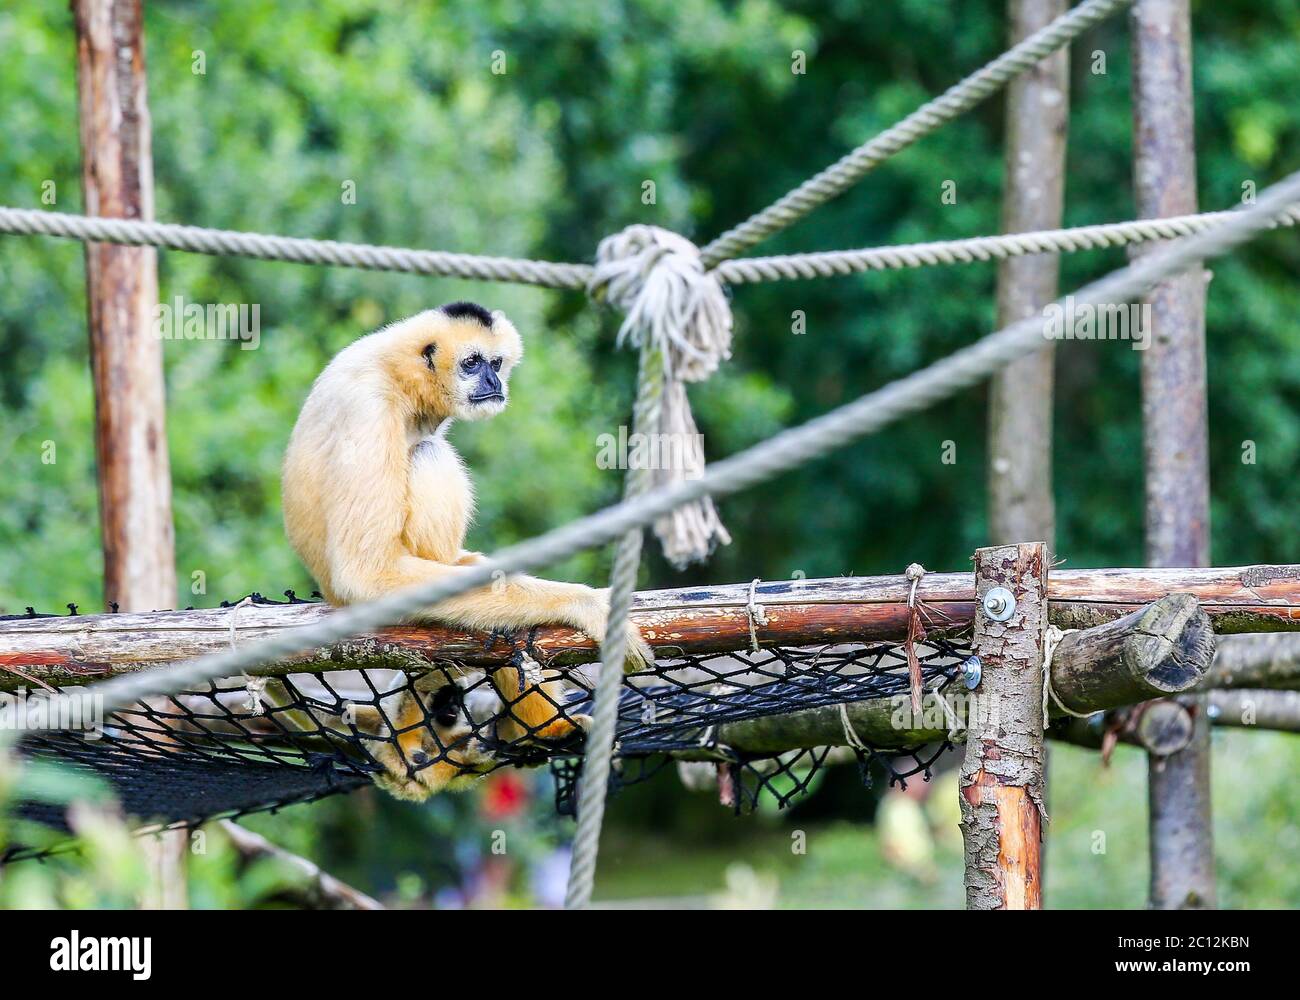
242	745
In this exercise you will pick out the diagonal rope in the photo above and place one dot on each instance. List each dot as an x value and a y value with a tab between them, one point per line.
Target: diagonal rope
743	270
778	454
196	239
956	100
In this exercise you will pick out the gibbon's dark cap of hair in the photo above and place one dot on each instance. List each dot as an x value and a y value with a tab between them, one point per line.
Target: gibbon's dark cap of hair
467	310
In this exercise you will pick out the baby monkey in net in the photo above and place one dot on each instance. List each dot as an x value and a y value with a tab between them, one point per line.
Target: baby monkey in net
376	499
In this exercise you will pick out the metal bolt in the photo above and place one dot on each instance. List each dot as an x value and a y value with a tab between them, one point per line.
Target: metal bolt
971	672
999	604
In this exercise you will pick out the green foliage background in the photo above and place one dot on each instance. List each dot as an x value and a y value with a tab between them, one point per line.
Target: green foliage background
300	97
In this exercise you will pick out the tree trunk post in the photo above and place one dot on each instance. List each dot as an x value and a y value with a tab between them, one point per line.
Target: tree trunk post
1002	782
1175	424
126	358
1020	397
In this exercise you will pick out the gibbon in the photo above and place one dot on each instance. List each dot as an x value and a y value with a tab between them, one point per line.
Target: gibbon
376	499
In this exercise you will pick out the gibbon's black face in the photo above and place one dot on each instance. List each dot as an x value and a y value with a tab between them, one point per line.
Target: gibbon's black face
469	353
482	383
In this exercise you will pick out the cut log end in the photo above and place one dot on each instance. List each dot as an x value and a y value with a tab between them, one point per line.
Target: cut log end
1174	644
1162	649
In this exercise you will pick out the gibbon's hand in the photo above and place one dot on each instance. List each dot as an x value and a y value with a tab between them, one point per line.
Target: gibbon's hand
639	655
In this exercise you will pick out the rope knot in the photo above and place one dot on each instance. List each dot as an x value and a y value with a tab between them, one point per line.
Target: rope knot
678	317
671	302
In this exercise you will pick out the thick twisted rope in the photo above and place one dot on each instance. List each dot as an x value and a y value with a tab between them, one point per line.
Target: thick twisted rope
781	453
678	310
195	239
598	755
739	271
743	270
956	100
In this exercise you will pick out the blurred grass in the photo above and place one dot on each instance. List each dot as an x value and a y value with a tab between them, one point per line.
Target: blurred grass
1096	855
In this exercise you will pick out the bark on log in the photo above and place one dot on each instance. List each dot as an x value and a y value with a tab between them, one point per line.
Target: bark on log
1020	396
1002	783
121	294
78	650
1163	649
125	356
1175	425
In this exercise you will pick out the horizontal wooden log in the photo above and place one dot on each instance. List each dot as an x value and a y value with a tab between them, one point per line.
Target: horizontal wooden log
1246	708
1240	708
1160	650
1256	661
80	649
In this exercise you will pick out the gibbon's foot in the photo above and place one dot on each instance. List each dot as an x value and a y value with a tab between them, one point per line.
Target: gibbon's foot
638	654
534	709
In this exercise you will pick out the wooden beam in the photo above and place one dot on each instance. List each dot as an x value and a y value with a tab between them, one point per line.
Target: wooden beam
1163	649
78	650
1256	661
1033	181
1175	427
121	293
1240	708
1002	781
126	357
1160	650
1246	708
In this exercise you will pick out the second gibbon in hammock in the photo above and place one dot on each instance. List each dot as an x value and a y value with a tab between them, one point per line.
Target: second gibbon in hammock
376	499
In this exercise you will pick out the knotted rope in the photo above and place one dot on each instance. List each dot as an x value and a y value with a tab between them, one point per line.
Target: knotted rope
678	310
679	320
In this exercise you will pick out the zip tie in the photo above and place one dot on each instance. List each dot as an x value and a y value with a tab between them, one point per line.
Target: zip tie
756	614
254	687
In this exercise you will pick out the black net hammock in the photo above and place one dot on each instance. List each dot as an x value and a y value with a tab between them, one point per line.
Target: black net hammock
244	745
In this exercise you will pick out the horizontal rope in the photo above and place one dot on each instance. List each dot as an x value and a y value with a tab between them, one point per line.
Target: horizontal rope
739	271
195	239
743	270
781	453
957	99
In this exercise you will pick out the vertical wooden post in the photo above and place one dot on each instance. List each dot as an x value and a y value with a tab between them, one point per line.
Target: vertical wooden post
1002	781
1175	423
1020	398
126	357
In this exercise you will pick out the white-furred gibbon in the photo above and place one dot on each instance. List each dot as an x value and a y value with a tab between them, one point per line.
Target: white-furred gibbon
376	499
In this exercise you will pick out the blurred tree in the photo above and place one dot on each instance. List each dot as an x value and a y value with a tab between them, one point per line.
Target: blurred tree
530	129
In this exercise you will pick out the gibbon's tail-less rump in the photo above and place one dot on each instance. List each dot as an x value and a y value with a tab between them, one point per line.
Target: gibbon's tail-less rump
376	499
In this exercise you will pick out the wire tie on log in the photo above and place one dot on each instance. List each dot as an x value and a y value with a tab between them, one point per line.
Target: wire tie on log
850	734
254	687
955	734
756	614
